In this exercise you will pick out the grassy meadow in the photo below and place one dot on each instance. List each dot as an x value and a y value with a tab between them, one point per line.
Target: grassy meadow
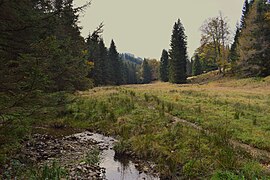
140	116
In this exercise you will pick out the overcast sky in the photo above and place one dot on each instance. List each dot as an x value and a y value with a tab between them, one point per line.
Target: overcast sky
144	27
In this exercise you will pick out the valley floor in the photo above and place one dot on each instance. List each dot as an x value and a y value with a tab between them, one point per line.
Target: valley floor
208	129
233	138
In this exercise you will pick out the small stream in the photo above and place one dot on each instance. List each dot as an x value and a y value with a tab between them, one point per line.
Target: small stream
115	169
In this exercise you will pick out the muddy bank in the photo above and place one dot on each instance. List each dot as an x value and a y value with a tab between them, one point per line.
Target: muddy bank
71	152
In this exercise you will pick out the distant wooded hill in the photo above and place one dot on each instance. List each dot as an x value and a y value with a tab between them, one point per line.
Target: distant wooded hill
131	58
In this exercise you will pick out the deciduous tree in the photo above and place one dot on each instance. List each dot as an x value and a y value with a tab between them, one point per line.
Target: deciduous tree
216	31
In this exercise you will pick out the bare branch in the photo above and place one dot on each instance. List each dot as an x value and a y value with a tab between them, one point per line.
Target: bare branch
83	7
96	34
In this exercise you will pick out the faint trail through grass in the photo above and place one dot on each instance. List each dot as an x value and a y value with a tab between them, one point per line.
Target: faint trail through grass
256	153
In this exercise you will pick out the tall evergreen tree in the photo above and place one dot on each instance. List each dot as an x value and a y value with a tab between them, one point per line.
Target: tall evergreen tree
197	66
129	73
146	72
254	42
164	66
125	73
100	71
92	43
35	58
178	55
189	68
71	43
115	71
245	11
133	74
233	51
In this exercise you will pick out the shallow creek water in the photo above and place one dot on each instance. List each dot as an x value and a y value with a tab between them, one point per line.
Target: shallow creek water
115	169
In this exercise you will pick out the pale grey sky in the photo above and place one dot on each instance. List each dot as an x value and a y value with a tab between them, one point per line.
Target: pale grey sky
144	27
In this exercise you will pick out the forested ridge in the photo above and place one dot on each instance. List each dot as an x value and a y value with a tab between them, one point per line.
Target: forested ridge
53	77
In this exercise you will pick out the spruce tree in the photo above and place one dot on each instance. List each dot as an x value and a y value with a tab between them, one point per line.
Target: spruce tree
132	73
245	11
146	72
125	73
121	70
115	69
92	43
189	68
197	66
178	55
233	51
41	53
100	69
254	42
164	66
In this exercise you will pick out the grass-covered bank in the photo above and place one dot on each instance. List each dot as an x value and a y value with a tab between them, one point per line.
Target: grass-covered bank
230	109
21	121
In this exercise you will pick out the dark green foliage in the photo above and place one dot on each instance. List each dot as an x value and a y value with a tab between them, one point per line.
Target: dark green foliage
98	55
254	42
146	72
41	54
225	175
130	68
18	71
245	12
116	65
197	66
92	42
93	156
164	66
49	172
178	55
101	65
130	73
189	67
109	68
63	70
41	51
234	56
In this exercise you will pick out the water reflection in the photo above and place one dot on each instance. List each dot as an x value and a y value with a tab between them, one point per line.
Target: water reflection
118	168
